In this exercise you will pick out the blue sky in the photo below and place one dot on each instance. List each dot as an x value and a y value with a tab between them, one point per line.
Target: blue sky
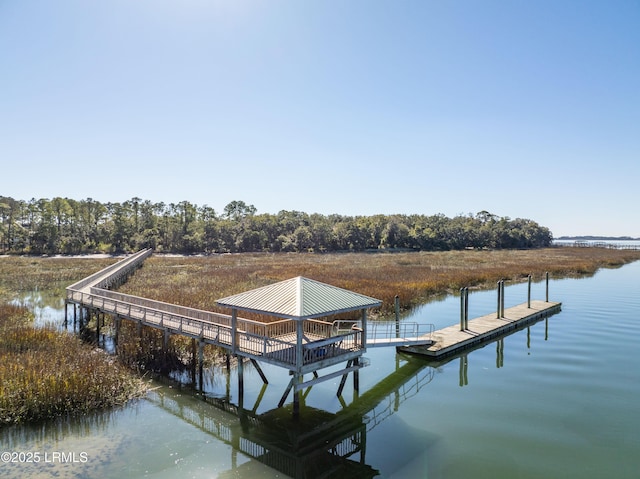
525	109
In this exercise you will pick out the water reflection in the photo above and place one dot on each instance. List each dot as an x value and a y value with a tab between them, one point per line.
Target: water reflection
47	306
463	358
69	447
318	443
58	430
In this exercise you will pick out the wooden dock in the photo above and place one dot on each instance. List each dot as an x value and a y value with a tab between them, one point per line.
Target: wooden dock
452	339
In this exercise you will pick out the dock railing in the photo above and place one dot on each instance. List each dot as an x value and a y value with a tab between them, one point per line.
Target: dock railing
252	337
332	347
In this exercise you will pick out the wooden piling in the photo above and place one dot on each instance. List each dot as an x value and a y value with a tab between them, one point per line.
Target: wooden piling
547	287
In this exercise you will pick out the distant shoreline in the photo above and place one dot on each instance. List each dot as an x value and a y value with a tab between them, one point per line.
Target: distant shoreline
596	238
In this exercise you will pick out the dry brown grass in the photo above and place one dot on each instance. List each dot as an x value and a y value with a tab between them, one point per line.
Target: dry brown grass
29	273
45	373
414	276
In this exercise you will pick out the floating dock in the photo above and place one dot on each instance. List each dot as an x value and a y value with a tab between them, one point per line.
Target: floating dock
456	339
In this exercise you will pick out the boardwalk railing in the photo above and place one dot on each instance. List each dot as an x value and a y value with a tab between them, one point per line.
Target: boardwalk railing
174	309
252	337
108	275
332	347
274	341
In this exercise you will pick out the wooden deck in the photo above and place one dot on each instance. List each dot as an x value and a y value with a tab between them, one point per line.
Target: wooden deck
452	340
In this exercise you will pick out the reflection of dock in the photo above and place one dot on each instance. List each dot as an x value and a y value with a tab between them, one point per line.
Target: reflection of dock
318	443
454	339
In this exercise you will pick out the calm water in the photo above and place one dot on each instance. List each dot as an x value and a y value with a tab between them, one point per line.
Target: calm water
556	400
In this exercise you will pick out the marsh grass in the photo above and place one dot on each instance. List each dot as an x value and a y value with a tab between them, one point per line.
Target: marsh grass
413	276
29	273
145	350
45	373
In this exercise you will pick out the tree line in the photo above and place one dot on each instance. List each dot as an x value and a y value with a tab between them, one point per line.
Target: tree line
67	226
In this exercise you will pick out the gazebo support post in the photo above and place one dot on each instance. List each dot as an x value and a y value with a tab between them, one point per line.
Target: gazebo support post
234	330
296	395
356	380
364	329
297	376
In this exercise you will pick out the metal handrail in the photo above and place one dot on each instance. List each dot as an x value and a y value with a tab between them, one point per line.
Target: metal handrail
193	313
406	330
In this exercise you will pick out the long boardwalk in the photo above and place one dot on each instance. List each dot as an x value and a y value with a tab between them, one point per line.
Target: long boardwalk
454	339
273	342
321	343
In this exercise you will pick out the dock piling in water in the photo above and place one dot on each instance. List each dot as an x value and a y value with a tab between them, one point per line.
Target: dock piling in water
397	307
461	309
466	308
547	288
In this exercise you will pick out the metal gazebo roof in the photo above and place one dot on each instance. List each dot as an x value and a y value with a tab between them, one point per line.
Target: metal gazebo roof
299	298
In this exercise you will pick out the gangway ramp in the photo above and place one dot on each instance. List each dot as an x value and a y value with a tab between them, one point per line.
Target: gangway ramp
388	333
391	333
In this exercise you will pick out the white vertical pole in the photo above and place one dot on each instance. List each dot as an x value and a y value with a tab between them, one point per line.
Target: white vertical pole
364	329
466	308
234	329
461	309
299	334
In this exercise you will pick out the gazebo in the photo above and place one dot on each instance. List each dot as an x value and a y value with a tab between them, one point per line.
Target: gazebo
299	341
